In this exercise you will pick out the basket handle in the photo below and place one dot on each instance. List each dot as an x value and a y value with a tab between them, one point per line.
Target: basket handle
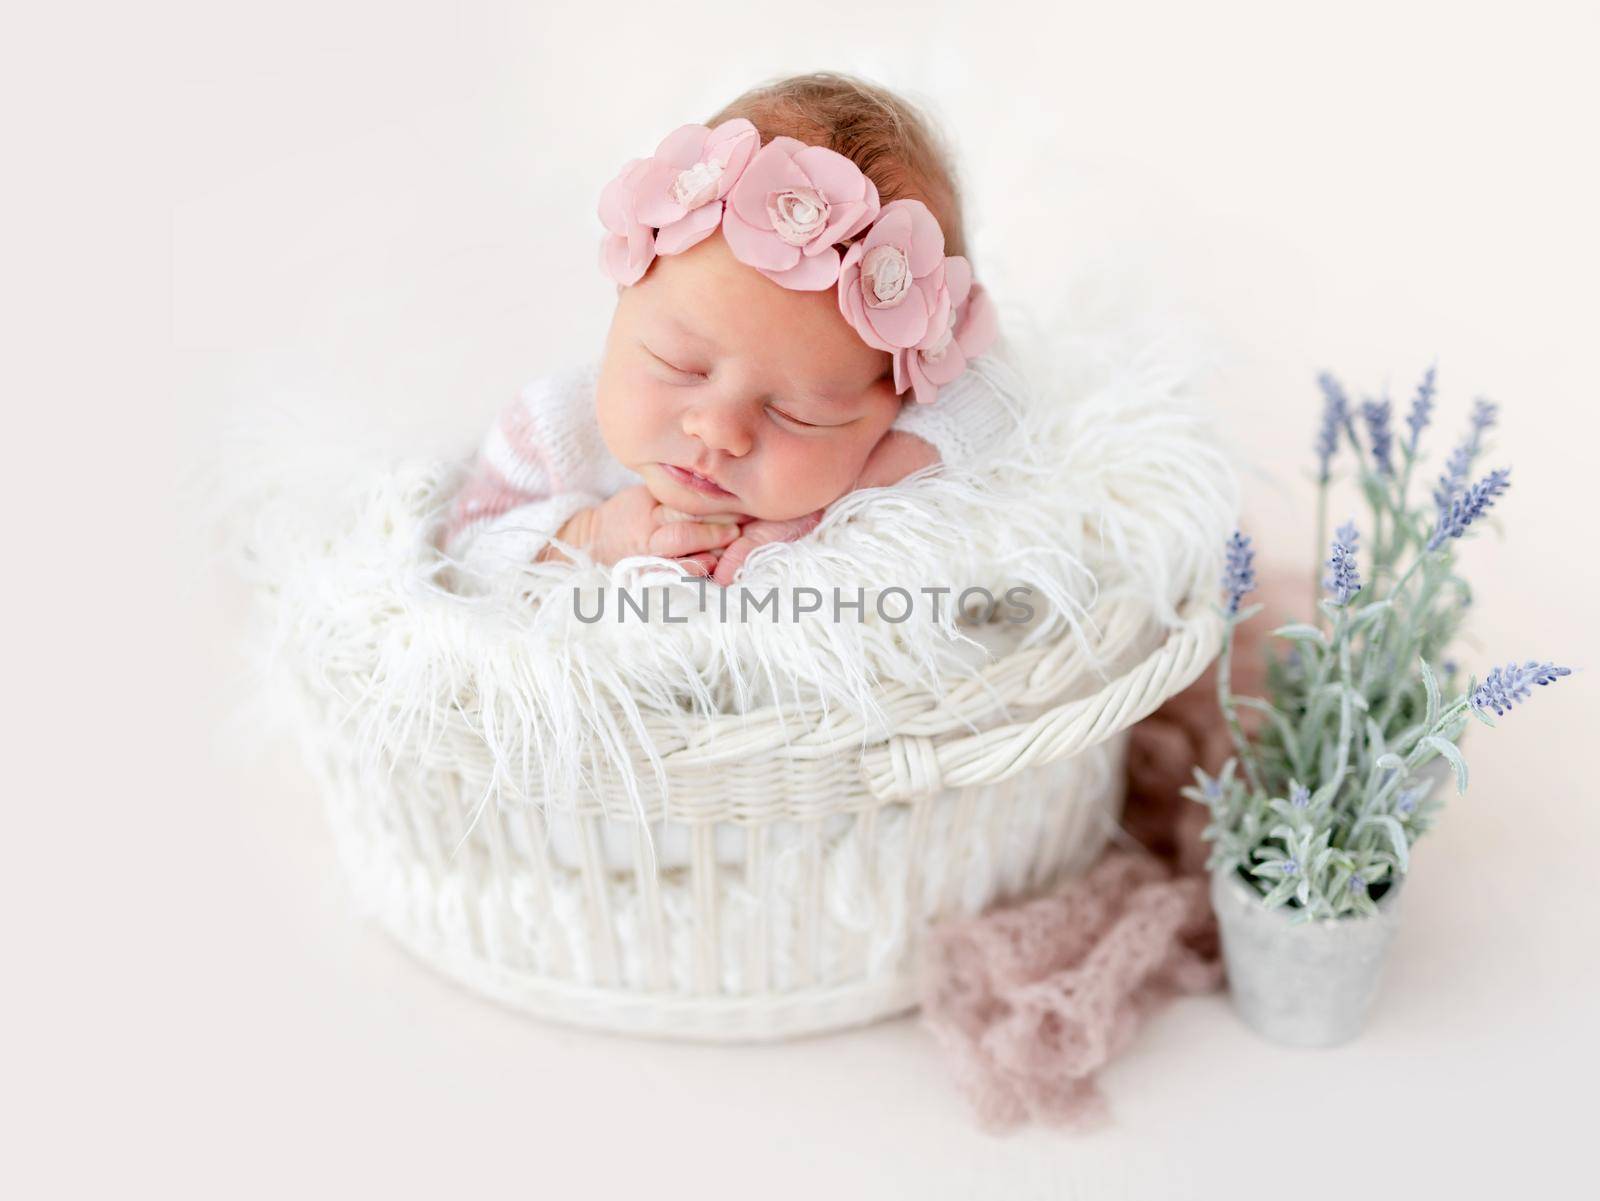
910	765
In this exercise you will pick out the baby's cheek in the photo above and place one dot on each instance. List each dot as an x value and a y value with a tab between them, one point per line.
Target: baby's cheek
809	474
846	459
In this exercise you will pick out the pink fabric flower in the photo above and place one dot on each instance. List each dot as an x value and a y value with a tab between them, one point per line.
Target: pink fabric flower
629	246
672	200
681	191
789	208
970	329
892	282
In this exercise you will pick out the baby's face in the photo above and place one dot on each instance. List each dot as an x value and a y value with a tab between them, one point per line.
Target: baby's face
712	367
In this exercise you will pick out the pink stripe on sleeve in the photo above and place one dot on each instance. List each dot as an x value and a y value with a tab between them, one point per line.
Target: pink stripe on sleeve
522	434
485	496
488	492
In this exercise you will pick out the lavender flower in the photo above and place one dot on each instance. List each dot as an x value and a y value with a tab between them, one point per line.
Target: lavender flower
1300	796
1335	413
1485	414
1454	478
1421	410
1459	464
1505	686
1377	414
1291	867
1239	574
1343	579
1465	508
1358	883
1407	800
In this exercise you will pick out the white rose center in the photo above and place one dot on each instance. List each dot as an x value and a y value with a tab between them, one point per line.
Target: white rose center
888	275
797	215
697	185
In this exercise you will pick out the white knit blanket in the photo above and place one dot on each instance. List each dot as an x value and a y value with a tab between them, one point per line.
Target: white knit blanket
1117	485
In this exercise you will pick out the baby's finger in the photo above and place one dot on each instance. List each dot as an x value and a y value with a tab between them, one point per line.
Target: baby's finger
732	559
663	515
680	538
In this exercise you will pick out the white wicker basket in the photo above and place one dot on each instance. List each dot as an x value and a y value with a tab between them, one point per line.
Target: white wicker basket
806	870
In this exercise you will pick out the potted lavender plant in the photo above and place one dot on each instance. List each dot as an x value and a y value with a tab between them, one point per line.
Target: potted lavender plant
1313	819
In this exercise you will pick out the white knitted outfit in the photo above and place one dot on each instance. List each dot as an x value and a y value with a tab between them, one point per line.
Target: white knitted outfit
544	458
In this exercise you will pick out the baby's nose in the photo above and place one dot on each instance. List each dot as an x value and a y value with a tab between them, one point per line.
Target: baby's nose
721	427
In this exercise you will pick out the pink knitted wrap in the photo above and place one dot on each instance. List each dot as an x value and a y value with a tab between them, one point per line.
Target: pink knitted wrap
1030	1000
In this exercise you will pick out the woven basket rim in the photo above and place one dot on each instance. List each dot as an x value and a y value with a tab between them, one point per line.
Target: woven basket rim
1037	677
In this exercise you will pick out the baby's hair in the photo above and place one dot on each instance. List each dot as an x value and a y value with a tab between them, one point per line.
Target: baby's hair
890	139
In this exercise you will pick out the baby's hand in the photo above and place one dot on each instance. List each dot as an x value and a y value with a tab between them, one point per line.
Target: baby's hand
896	456
633	522
759	533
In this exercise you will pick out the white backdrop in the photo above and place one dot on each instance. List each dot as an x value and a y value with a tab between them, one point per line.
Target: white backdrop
391	206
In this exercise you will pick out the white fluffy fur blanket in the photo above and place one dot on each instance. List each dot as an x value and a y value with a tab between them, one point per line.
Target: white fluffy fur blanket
1118	486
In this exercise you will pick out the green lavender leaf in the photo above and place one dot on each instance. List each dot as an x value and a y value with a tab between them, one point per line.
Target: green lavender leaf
1447	750
1375	745
1368	614
1300	632
1431	717
1396	833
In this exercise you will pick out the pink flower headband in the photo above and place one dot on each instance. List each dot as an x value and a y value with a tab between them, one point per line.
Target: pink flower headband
784	209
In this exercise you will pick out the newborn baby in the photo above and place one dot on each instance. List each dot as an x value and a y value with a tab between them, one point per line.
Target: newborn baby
772	312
